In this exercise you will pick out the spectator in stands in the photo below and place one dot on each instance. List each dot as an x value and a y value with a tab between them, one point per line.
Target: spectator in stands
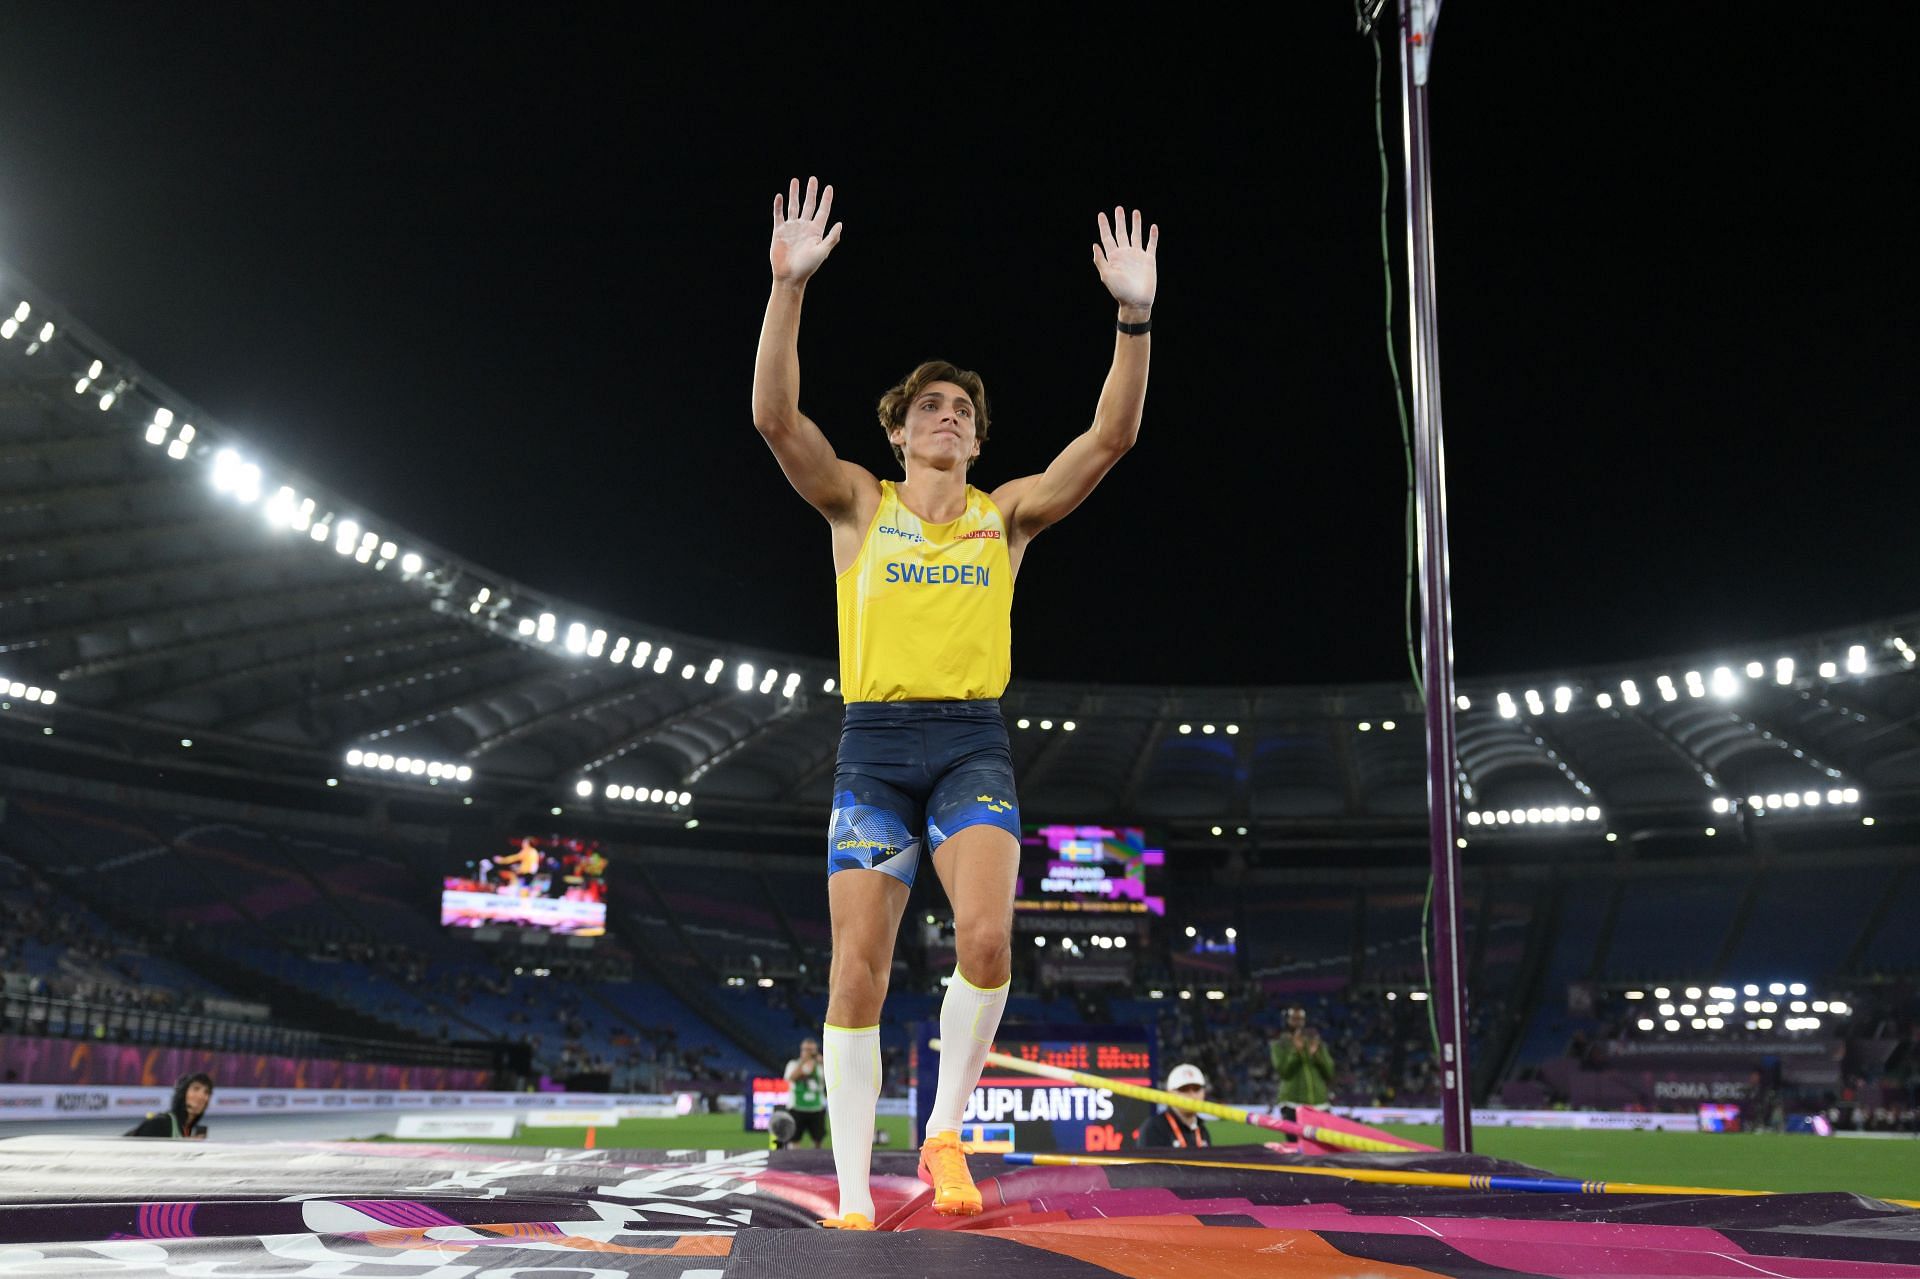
1173	1126
809	1105
1302	1062
192	1094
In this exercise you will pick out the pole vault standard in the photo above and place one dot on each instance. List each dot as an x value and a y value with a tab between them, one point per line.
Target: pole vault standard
1418	18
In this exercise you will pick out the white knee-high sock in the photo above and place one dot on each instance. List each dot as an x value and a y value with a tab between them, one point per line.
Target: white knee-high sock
852	1062
969	1018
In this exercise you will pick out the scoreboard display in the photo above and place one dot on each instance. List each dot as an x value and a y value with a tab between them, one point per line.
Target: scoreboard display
1089	870
1013	1111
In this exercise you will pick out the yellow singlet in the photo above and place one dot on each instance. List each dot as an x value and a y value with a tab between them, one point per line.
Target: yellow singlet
925	609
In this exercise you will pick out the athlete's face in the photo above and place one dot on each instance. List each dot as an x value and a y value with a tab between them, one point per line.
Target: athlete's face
939	425
198	1095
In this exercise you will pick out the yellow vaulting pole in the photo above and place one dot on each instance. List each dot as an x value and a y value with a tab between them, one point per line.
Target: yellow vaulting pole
1344	1140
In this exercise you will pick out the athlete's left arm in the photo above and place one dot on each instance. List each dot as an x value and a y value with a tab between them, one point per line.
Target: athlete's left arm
1126	260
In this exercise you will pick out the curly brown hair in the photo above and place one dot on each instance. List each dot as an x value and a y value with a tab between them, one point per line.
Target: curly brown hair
893	405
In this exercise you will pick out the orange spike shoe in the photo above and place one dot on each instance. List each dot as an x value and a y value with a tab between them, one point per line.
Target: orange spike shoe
852	1221
943	1165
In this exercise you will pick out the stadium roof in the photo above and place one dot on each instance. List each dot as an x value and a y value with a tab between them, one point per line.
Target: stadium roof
164	583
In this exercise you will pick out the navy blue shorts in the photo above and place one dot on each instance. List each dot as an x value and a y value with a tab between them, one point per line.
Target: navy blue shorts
911	767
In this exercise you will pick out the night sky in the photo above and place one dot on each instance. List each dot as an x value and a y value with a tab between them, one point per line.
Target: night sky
498	275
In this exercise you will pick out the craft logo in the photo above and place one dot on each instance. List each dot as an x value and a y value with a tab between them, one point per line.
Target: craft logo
881	850
89	1102
900	532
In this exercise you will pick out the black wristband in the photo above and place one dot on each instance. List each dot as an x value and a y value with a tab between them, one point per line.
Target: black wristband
1134	330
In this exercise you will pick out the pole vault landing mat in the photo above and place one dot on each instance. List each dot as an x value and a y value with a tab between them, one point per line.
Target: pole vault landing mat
104	1206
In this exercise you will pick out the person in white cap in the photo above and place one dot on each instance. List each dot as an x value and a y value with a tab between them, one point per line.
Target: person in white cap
1172	1126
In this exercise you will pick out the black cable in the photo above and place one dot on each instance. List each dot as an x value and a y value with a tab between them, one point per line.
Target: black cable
1364	15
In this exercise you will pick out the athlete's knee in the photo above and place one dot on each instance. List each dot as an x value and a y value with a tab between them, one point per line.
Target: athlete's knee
856	988
984	951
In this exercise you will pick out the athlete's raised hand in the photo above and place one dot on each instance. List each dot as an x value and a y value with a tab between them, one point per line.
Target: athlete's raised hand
1126	259
801	235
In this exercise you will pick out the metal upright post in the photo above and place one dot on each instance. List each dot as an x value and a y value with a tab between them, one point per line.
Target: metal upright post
1417	21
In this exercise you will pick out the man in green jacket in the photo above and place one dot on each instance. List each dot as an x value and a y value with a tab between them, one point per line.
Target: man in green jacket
1301	1063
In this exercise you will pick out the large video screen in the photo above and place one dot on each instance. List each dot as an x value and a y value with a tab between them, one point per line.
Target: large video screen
1089	870
530	881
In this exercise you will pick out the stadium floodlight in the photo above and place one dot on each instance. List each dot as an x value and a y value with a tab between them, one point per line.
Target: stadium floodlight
1724	682
545	630
1534	704
1776	988
576	637
641	652
156	433
1712	831
829	685
1820	1005
1232	729
1046	725
1040	941
1645	1023
1365	726
354	757
1502	817
178	450
1797	1006
1810	798
1797	988
613	790
793	682
743	676
1634	994
1849	796
660	661
1533	815
1629	692
1857	659
1067	726
1773	801
1719	804
1506	707
1828	670
1473	819
1603	700
1750	989
1661	992
1216	829
526	626
1783	671
1561	814
596	643
9	327
1671	1024
364	554
1191	930
1562	698
1463	702
1120	943
1665	685
1021	723
768	680
1755	670
1207	729
1695	686
1186	728
1693	992
1791	799
47	696
1387	726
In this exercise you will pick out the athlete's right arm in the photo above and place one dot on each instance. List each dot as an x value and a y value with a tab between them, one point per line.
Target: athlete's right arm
801	242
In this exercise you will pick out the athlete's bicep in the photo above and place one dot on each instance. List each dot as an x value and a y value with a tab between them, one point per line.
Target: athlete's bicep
1036	501
830	485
